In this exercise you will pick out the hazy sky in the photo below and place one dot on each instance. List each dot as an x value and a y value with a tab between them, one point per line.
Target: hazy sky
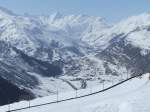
112	10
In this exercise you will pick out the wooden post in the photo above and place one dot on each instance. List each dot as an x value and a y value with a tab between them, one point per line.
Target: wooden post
103	84
8	106
29	102
57	95
76	93
127	74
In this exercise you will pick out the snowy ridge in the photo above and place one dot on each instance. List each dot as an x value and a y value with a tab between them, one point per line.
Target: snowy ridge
79	49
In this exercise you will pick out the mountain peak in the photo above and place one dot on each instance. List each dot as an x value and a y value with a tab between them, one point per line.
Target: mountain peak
56	15
4	10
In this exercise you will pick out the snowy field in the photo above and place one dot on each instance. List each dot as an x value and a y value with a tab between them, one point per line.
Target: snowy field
131	96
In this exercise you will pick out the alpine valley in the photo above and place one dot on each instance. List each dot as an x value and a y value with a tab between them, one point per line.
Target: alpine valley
40	55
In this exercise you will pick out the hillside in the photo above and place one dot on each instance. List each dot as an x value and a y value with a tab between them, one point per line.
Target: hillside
131	96
45	54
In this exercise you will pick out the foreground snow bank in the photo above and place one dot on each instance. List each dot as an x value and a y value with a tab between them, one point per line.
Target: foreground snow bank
131	96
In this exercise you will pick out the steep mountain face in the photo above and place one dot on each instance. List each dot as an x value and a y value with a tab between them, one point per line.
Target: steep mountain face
129	47
43	54
35	49
125	52
10	93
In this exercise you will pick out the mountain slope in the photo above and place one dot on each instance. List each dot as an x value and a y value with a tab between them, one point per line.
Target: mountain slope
43	54
125	52
35	49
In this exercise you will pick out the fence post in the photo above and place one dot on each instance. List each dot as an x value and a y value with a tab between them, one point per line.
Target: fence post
76	93
29	102
127	74
8	105
57	95
121	77
103	84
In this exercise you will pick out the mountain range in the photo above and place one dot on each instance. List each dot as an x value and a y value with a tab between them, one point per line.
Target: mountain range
41	55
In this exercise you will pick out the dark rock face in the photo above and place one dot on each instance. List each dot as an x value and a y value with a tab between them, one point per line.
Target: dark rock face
12	83
14	73
41	67
17	75
10	93
122	54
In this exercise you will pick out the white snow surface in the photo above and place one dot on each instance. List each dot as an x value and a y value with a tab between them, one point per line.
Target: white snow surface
28	32
49	85
131	96
135	29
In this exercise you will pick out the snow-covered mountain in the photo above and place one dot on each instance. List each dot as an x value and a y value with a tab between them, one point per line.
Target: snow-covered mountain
35	49
43	54
125	51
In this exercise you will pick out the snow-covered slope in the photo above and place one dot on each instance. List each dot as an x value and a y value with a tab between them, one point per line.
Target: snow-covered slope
74	51
125	50
131	96
43	45
137	28
28	33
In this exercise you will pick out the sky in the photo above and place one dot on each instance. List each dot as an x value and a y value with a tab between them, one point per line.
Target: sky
111	10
